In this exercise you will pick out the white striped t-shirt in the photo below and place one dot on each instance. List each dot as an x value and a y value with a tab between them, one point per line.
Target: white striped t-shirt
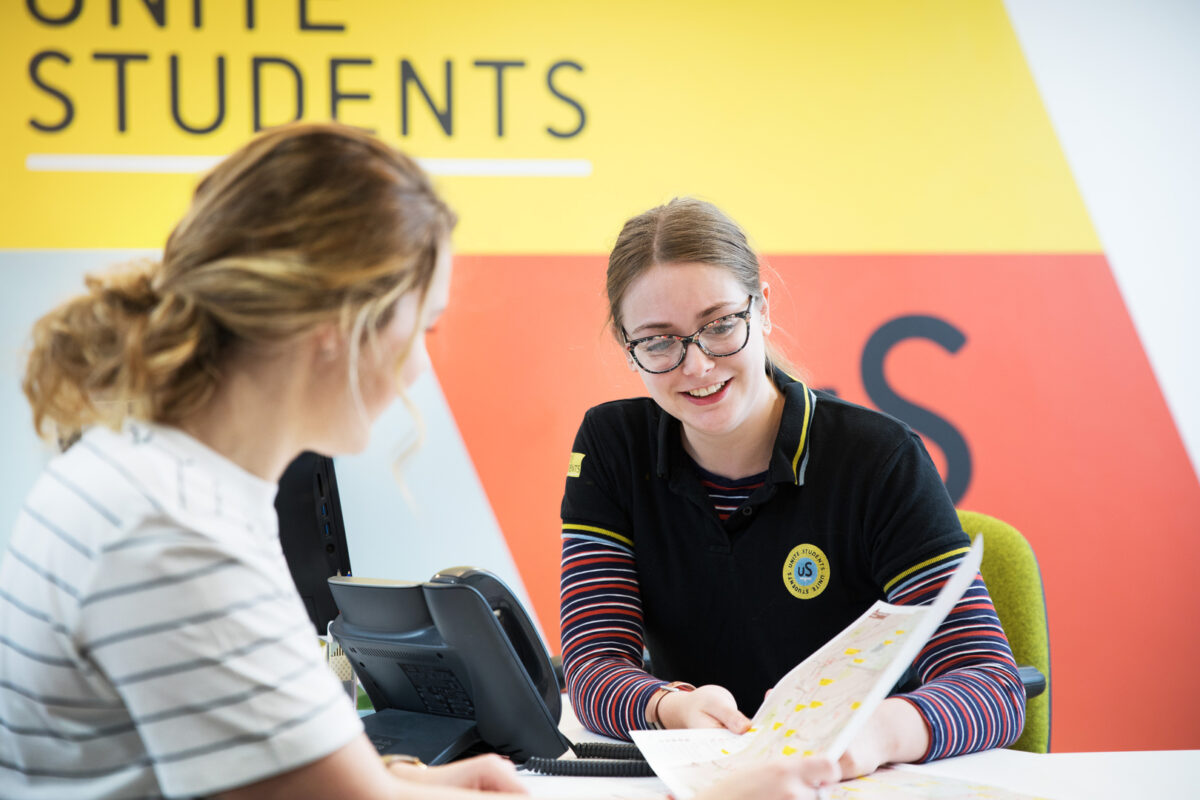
151	639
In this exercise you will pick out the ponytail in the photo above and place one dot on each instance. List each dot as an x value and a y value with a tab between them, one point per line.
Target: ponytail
120	350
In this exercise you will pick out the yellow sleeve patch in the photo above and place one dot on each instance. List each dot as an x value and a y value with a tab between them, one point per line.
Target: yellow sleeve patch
576	465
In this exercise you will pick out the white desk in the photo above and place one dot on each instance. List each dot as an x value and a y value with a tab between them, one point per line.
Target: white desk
1159	774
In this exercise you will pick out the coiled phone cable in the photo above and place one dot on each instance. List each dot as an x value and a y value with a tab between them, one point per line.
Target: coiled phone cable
596	760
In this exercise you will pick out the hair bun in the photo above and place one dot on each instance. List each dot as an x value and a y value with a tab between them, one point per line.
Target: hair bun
128	291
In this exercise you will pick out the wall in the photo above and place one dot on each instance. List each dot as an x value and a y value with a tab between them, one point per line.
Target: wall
973	214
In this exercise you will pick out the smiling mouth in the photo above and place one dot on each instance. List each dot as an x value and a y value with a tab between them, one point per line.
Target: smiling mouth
707	390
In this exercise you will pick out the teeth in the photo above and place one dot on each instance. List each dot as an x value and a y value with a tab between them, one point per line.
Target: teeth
707	390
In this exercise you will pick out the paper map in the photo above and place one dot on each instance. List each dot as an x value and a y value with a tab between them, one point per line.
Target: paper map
820	705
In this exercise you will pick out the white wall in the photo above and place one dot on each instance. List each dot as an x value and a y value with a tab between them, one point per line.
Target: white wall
1121	83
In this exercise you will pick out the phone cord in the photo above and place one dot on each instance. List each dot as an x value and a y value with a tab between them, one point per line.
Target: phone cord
591	767
620	750
597	760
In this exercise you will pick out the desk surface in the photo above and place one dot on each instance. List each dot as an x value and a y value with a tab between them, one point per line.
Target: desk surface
1059	776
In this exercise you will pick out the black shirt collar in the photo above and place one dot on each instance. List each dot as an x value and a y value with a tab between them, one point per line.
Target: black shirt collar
790	457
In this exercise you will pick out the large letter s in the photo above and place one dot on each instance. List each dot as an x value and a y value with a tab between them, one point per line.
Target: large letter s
924	421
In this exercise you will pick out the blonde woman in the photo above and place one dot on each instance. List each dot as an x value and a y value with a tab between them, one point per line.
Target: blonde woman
151	640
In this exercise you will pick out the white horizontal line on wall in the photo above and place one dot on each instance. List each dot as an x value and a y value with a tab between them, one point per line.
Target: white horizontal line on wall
462	167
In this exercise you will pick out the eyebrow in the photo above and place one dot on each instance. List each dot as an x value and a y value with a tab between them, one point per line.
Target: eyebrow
708	312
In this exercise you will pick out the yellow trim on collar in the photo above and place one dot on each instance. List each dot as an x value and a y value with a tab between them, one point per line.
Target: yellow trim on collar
803	431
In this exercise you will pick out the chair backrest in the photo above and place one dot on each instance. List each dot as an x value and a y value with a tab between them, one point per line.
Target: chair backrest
1010	570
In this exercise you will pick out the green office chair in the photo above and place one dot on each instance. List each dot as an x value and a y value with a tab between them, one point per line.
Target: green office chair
1010	570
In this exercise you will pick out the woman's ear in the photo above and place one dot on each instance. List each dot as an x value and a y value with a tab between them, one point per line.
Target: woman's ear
326	342
766	308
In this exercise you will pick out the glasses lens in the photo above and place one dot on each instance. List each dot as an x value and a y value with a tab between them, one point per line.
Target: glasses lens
658	354
726	336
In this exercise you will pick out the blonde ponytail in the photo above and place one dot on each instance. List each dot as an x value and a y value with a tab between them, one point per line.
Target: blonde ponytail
118	351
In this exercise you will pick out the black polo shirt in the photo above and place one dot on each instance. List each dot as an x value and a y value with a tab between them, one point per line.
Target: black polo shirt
852	502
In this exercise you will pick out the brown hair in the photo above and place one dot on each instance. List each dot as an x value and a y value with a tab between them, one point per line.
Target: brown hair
305	224
685	230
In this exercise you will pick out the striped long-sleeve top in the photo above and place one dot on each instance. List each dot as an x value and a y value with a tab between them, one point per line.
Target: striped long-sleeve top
970	694
658	554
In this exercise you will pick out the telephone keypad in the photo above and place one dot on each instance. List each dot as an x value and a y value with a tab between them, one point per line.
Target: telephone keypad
439	690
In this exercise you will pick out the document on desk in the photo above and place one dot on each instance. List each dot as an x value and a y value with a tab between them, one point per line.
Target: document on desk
886	784
821	704
899	784
564	788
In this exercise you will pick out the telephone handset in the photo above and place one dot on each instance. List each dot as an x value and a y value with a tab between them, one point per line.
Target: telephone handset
451	665
514	621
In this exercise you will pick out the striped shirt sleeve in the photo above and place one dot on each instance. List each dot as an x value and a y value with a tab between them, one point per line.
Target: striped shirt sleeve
971	696
214	659
602	632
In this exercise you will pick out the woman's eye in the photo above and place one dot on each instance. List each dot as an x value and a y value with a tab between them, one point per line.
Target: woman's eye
721	327
658	345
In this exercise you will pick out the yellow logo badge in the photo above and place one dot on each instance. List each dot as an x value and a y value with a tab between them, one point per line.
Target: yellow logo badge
806	571
576	465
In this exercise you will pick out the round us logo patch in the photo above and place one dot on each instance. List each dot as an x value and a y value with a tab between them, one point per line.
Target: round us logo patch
806	571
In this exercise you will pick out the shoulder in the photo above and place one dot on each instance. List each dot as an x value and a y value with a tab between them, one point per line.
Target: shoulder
95	490
859	438
615	439
153	476
629	412
841	420
621	422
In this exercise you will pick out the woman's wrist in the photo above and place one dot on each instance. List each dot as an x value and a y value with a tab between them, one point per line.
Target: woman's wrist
905	732
654	716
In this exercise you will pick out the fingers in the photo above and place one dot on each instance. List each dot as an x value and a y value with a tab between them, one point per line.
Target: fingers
708	706
819	771
782	779
730	718
490	773
495	773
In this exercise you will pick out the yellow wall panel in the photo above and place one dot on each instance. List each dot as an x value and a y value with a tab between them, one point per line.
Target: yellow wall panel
824	127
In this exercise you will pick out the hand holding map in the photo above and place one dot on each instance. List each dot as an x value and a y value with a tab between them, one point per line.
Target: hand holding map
822	703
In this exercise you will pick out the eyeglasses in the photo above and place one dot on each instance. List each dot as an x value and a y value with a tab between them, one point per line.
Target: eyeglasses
722	337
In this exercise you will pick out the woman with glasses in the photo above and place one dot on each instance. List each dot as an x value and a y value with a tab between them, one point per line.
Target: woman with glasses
736	519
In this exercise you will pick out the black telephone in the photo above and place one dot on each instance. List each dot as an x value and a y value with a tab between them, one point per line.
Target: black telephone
452	666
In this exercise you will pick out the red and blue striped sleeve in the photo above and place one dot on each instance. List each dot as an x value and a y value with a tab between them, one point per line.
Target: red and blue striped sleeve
602	634
970	696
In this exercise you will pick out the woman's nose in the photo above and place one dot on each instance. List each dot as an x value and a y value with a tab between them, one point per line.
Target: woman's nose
696	361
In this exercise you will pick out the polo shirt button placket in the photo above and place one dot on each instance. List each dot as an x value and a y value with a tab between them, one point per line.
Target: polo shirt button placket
747	510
